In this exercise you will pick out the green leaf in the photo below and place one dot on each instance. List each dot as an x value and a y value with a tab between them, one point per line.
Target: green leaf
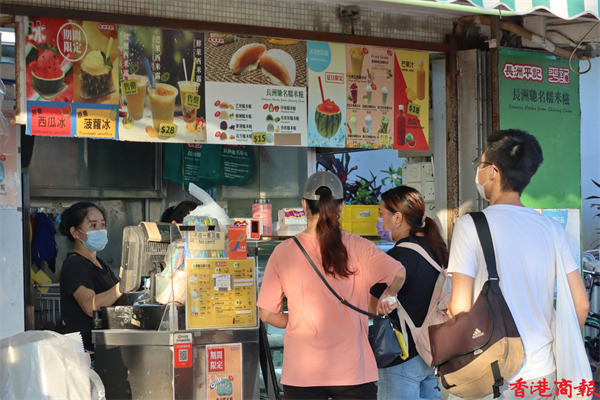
398	183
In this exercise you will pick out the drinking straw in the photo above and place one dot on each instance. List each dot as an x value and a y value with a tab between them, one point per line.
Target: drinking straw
149	71
193	70
125	77
184	70
321	85
109	47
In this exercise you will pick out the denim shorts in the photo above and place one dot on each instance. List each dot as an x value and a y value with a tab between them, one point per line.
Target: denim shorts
412	379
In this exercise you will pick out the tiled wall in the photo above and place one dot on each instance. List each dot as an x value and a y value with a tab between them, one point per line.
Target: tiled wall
303	15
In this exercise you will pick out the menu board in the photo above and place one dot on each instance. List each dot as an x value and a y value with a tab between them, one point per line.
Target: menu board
255	90
171	110
70	80
221	293
327	111
224	371
412	100
370	97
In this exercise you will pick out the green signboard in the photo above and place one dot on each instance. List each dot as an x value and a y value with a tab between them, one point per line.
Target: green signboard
540	94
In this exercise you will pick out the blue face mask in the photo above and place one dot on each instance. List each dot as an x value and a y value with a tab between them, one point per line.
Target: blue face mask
385	234
96	240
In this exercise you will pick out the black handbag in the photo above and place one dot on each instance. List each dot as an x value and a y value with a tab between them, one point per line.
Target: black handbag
382	338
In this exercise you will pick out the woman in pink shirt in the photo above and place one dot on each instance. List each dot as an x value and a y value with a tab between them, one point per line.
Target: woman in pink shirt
327	352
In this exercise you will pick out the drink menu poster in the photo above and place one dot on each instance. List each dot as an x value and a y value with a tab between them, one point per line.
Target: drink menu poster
255	90
412	100
221	293
327	88
370	97
161	84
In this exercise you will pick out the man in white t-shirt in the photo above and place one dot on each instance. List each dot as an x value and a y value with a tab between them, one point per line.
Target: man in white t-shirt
524	245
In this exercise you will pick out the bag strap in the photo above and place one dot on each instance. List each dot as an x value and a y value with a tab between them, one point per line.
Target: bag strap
487	245
402	313
419	249
341	299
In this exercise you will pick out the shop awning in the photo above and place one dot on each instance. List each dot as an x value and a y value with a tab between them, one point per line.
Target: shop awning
565	9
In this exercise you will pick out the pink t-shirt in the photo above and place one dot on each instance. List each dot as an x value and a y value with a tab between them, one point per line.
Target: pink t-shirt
325	342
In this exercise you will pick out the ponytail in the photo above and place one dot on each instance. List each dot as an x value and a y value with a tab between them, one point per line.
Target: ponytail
409	202
334	255
434	239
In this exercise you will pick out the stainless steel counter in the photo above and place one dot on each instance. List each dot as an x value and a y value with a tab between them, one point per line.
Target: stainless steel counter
139	364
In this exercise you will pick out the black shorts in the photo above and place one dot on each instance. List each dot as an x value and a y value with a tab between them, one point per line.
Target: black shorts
367	391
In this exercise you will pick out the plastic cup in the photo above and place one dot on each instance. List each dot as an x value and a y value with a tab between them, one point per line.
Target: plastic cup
369	93
384	95
162	103
185	87
368	123
356	59
135	102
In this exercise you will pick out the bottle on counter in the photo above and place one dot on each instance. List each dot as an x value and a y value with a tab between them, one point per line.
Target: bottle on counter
262	209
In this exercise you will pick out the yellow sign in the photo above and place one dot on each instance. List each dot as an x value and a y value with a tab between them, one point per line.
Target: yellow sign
192	100
129	88
224	371
167	130
221	293
96	123
384	138
259	138
414	109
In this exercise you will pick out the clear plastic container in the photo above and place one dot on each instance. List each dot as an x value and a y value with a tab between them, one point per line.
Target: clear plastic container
262	209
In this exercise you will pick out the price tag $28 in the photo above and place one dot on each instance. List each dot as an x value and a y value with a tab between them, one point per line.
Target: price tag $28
167	130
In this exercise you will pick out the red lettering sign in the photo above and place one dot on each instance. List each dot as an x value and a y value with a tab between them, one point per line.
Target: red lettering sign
332	77
523	72
50	121
559	75
216	360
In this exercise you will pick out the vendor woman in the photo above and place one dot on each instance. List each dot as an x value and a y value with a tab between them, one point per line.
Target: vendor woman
86	282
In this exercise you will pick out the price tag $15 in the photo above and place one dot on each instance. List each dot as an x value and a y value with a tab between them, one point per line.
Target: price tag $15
414	109
192	100
259	138
167	130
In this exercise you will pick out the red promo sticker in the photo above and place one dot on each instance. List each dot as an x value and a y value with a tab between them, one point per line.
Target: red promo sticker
216	360
230	378
389	53
217	114
217	103
2	157
218	134
51	120
182	354
373	86
265	106
365	50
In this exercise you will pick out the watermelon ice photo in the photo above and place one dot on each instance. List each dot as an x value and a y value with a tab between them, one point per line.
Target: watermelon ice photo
328	118
46	71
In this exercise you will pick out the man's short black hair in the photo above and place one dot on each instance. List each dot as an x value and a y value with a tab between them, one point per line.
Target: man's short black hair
517	155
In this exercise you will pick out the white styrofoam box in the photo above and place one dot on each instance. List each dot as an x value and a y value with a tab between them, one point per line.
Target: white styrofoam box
428	192
427	172
411	173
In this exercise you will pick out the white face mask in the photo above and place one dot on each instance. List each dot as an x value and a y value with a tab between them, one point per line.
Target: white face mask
480	187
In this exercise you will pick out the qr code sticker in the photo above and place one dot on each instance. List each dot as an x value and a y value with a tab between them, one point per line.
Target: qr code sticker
183	355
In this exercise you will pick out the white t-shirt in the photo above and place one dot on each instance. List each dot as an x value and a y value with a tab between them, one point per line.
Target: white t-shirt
525	258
